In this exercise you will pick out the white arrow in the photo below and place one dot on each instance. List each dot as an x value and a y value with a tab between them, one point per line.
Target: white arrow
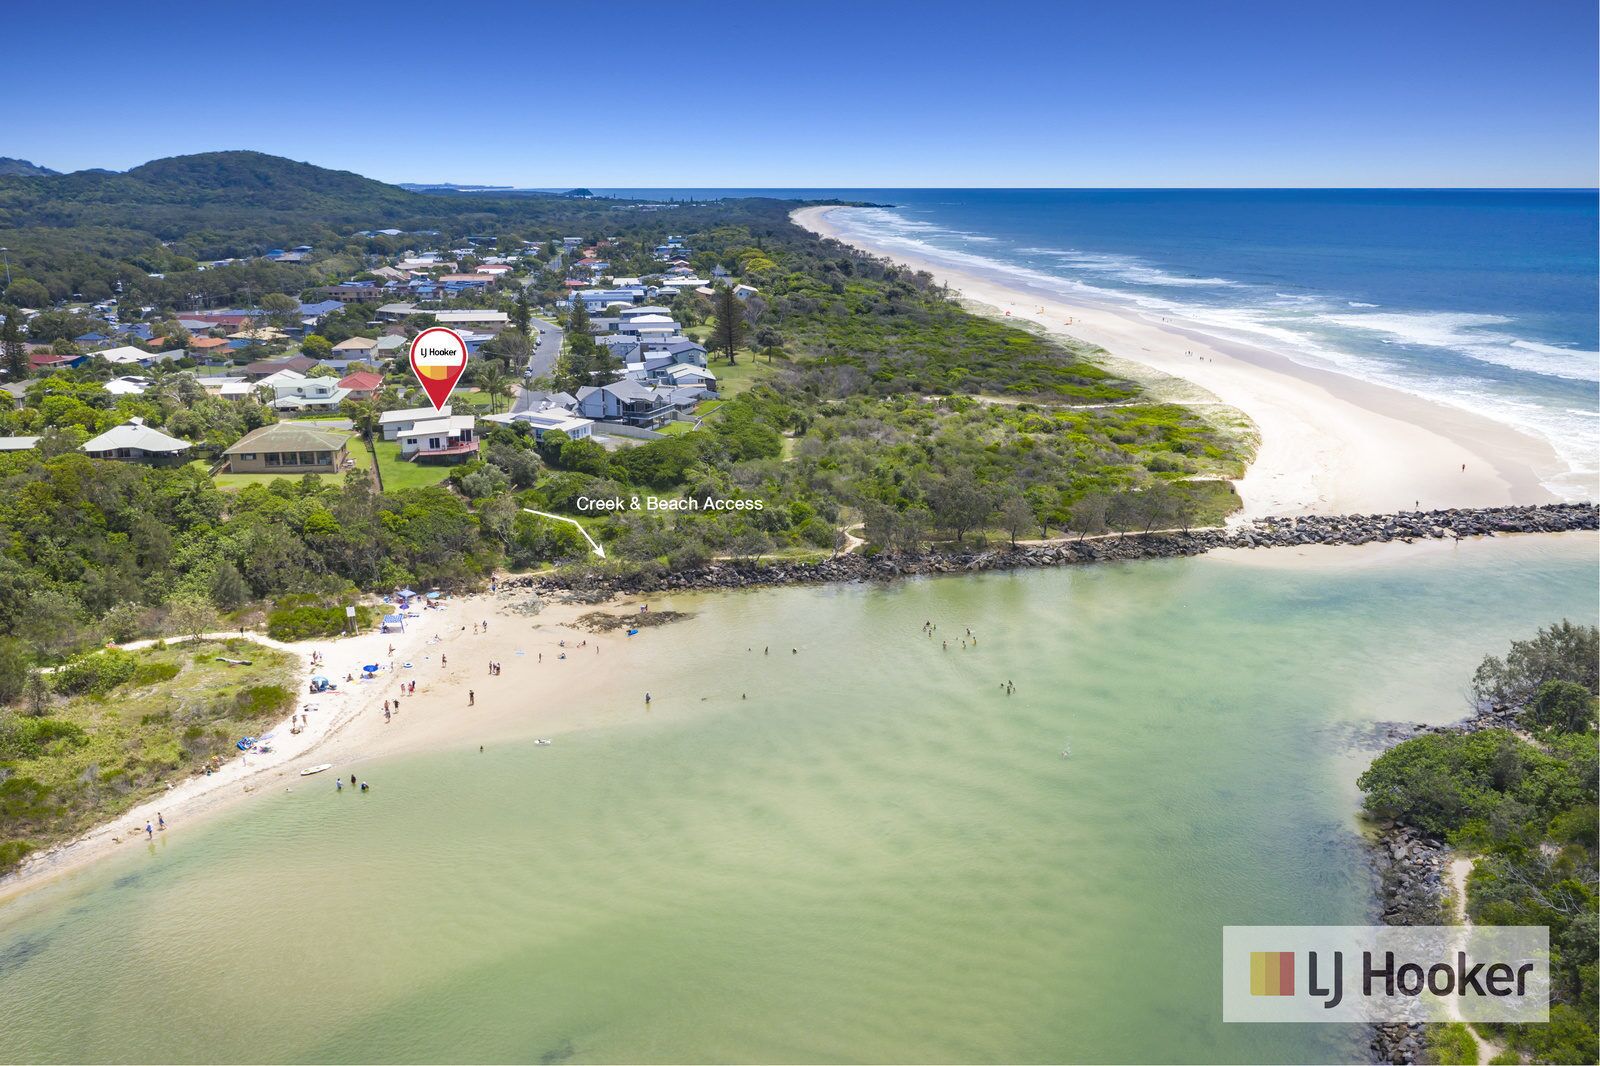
599	551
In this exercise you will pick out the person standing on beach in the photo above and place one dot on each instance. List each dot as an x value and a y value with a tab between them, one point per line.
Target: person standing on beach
149	831
472	698
161	823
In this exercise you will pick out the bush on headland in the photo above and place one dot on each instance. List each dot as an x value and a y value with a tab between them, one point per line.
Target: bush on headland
1528	809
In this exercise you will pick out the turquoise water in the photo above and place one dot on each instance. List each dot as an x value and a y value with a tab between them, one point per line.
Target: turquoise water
874	856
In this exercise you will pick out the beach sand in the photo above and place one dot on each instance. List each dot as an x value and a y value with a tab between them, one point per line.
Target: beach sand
536	694
1329	443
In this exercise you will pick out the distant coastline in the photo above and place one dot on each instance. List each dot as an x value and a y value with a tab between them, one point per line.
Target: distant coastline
1330	443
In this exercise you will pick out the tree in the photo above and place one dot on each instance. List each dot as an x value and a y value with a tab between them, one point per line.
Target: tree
1015	516
13	352
281	310
1561	652
521	313
1562	707
494	382
191	615
316	346
228	590
729	325
959	503
25	292
1088	515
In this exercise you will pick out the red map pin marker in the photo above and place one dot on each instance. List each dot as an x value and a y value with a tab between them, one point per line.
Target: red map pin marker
438	356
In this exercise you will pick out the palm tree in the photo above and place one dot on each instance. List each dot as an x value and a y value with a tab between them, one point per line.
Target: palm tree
364	415
492	379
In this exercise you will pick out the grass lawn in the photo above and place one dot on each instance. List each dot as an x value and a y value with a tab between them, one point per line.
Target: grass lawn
398	474
95	756
228	481
734	379
674	429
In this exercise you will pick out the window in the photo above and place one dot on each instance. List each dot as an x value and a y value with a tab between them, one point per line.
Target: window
324	458
248	457
308	458
274	459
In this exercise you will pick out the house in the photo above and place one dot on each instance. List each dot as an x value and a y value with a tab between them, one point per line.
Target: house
744	292
288	448
17	444
293	391
227	387
45	359
300	364
471	317
355	347
448	438
347	292
126	355
394	423
648	325
207	345
547	421
134	441
126	386
362	385
624	401
683	375
389	346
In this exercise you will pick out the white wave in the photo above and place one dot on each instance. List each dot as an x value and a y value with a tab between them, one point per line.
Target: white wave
1358	303
1470	335
1302	329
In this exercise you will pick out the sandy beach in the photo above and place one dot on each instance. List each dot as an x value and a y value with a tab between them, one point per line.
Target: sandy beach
1329	443
538	693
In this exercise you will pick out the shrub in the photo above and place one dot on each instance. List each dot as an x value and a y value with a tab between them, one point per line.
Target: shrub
96	673
154	673
260	700
1563	707
1451	1045
306	622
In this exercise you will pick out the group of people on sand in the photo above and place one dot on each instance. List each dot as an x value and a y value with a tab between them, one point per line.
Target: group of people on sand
159	826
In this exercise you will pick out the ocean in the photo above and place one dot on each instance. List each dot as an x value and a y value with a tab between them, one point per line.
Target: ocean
862	850
1481	299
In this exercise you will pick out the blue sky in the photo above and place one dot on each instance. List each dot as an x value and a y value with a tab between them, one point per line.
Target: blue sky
818	94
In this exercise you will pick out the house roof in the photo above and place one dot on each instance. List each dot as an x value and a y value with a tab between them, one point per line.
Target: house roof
289	437
206	342
300	363
412	414
356	344
135	434
17	444
361	381
125	354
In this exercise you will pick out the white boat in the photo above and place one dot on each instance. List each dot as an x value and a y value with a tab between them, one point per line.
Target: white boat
317	769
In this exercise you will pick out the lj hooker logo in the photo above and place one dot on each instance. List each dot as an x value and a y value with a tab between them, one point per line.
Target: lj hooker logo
1385	973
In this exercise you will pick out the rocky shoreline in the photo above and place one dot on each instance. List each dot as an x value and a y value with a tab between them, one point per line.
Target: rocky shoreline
1410	866
1455	523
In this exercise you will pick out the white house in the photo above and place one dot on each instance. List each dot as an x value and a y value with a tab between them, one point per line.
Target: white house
448	437
394	423
136	442
126	386
293	391
546	421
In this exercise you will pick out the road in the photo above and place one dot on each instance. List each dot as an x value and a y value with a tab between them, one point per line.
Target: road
546	347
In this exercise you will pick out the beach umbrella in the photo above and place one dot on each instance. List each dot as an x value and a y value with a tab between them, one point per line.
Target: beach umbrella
407	593
371	669
434	594
320	679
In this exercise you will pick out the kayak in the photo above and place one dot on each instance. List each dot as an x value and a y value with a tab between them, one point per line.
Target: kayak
308	771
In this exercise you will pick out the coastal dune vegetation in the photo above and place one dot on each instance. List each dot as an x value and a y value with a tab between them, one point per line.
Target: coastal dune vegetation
1523	802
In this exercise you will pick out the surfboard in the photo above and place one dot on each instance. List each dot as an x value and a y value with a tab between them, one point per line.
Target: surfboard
308	771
